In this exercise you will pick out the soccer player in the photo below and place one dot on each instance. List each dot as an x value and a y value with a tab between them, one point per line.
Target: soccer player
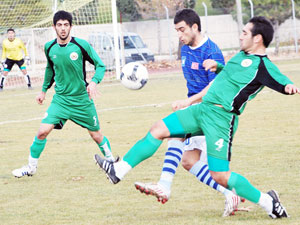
238	82
197	48
73	100
12	53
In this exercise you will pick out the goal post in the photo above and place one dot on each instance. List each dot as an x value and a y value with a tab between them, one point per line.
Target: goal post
32	21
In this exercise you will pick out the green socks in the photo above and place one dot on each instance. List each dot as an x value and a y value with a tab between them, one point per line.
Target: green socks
104	147
142	150
37	147
243	188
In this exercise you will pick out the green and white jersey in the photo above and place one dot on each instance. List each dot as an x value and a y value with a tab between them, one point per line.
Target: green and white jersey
66	66
241	79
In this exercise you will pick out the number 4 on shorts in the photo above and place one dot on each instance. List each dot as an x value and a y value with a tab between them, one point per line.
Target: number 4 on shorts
219	143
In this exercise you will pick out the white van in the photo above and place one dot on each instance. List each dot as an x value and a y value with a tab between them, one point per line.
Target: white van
134	48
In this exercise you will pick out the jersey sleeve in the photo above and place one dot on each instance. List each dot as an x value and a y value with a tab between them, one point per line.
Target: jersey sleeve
272	77
23	48
220	67
218	57
49	72
94	59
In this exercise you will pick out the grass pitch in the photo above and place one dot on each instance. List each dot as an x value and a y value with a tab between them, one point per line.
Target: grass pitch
70	189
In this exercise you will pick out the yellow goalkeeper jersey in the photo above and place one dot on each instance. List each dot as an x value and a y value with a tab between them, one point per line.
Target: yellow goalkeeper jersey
12	49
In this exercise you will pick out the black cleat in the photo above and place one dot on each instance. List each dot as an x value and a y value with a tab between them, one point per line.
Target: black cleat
108	168
278	209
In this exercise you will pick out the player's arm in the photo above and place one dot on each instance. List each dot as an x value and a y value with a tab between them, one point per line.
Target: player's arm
191	100
212	65
27	58
219	58
23	48
274	79
48	78
99	71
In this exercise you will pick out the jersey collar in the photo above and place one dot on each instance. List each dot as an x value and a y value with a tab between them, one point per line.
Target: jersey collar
205	38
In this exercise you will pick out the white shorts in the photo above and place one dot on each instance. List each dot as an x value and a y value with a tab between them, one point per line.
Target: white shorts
197	143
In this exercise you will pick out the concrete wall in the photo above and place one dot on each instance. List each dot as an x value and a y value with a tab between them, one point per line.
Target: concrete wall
161	35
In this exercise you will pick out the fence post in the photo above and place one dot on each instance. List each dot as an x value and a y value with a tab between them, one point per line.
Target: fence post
239	15
169	38
294	24
251	6
116	38
205	11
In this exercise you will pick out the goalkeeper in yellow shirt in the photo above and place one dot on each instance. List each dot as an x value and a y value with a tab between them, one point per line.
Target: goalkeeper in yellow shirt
13	51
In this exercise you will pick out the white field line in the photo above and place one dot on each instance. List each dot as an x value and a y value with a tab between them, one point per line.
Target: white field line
50	91
100	110
108	109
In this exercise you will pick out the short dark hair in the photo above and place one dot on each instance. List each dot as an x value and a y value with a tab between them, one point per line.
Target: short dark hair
62	15
263	27
10	29
189	16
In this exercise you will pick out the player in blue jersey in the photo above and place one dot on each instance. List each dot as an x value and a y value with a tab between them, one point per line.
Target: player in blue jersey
217	116
197	48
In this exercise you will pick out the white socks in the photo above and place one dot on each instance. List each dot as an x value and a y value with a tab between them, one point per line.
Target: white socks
266	202
121	169
32	161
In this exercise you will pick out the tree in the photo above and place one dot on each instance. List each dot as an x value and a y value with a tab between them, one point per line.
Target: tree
277	11
129	9
224	5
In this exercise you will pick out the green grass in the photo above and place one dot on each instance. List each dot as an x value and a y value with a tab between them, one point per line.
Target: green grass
69	188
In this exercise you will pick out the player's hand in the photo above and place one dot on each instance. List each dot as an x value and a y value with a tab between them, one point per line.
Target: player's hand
291	89
180	104
27	60
210	64
40	98
92	90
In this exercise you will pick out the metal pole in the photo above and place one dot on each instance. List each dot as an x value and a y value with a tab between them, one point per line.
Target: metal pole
116	38
54	7
239	15
295	29
169	38
205	11
251	6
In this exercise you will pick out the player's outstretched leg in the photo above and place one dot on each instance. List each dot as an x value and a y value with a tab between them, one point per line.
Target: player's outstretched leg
268	201
142	150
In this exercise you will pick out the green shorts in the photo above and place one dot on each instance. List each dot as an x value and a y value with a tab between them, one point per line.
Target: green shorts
218	126
81	111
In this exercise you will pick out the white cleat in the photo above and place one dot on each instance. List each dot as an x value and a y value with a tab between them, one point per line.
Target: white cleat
157	190
24	171
231	204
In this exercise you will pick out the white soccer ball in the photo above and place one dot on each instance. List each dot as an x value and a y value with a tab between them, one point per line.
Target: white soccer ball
134	75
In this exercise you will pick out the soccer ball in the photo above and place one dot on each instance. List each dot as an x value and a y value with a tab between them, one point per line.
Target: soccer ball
134	75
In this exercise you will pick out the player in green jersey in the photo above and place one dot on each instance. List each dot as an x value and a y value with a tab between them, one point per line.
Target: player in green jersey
217	115
73	100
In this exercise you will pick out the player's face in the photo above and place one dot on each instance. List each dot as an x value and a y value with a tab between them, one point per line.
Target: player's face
63	29
186	34
246	38
11	35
